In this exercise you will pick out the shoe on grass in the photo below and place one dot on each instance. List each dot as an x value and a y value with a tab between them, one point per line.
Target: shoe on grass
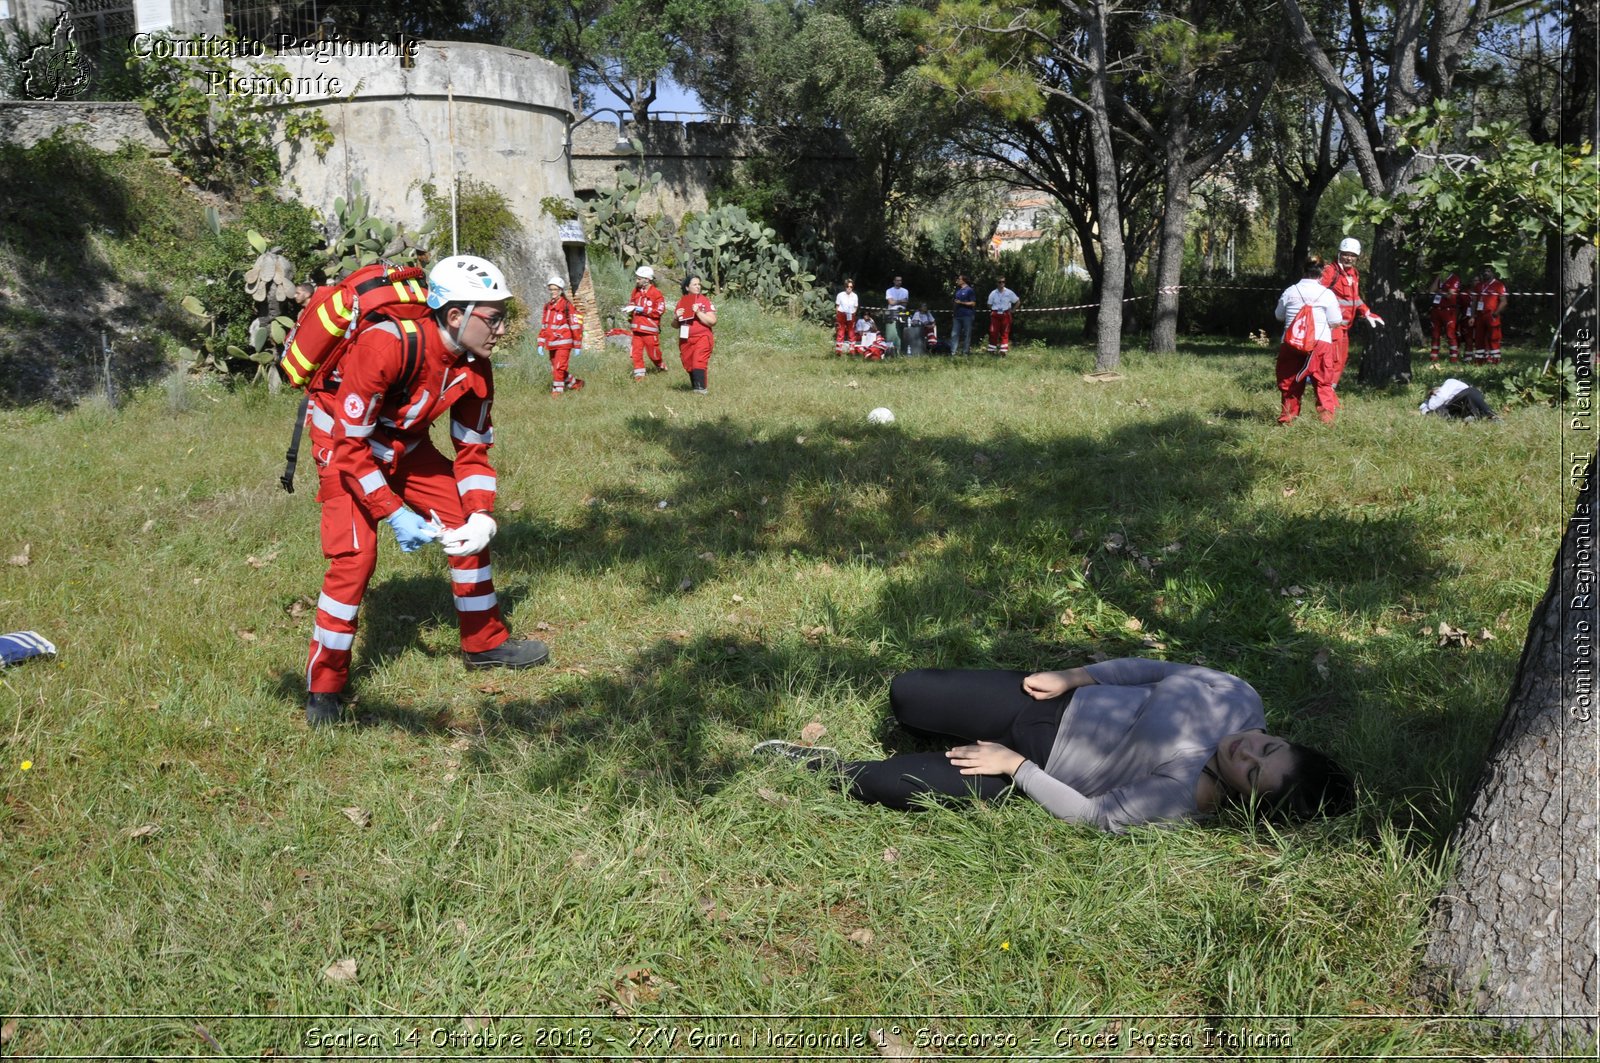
812	758
512	653
323	709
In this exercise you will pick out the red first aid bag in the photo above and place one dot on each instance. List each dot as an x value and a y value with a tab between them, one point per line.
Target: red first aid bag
1302	331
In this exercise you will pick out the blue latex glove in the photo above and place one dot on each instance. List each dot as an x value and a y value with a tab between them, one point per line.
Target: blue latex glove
410	530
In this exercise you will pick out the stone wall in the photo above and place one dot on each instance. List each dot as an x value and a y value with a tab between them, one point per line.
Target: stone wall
496	115
103	126
691	157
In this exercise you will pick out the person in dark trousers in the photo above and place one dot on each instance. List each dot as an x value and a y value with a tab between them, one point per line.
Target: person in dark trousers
1113	745
965	302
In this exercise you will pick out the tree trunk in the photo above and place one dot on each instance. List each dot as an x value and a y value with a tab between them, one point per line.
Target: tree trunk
1387	356
1113	270
1169	248
1516	927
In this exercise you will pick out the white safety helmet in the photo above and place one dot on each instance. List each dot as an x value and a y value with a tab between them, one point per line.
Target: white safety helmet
556	282
1350	244
466	279
645	273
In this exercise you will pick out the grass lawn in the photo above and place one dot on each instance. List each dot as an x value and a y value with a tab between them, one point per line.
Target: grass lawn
590	840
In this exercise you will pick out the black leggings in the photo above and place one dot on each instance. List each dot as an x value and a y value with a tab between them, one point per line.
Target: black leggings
961	704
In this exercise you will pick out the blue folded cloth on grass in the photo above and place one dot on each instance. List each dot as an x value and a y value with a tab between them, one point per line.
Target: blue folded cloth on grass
20	645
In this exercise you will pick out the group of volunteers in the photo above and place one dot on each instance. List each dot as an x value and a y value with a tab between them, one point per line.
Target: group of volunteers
1111	745
1319	309
561	331
1470	312
857	332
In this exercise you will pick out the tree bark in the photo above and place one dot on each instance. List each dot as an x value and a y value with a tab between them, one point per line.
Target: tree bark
1516	927
1108	331
1169	249
1387	355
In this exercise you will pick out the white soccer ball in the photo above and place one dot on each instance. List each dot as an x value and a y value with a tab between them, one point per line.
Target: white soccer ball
882	415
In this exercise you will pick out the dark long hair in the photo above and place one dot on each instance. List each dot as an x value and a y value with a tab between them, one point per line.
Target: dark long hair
1316	786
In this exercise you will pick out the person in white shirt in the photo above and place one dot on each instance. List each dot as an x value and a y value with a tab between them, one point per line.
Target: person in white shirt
897	302
1001	301
845	305
1457	398
869	344
1295	364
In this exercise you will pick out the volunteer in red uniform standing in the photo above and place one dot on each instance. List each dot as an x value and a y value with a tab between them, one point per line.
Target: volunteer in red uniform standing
647	307
369	431
695	317
1446	311
845	305
1342	278
560	337
1489	297
1296	365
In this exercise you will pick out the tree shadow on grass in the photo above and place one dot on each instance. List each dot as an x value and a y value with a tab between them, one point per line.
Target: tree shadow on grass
1004	551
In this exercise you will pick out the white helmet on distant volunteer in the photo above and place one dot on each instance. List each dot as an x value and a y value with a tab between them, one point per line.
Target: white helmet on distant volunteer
645	273
1350	244
555	282
466	279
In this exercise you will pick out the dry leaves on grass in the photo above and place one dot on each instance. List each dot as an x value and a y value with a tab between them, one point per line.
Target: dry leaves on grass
1450	635
8	1032
713	914
632	987
205	1035
773	797
149	830
862	936
265	559
23	559
341	970
1293	591
246	635
1321	663
890	855
361	817
300	607
812	732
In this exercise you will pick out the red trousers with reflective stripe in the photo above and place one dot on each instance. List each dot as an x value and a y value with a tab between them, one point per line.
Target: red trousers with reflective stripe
1000	330
1290	363
646	343
1444	325
1486	333
427	483
559	358
844	331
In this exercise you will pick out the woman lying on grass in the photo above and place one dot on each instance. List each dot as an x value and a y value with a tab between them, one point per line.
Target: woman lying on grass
1114	744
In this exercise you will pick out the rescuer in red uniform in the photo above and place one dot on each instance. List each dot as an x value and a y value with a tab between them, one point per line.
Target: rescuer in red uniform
646	309
1342	278
695	317
369	425
1446	311
560	337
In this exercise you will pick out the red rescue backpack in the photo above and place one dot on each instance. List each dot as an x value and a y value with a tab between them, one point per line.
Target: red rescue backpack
1302	331
328	326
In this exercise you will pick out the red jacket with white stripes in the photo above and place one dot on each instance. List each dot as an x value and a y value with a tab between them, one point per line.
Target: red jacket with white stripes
562	325
375	412
651	305
1345	283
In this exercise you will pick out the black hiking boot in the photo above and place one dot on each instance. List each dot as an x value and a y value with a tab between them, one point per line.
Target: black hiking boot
512	653
323	709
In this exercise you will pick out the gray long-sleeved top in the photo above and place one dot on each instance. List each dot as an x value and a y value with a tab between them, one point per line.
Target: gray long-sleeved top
1130	747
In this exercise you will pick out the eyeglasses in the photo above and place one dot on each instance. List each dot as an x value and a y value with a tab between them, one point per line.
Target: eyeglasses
496	322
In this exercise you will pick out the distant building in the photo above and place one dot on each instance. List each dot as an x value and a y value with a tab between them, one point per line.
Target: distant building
1023	221
114	20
